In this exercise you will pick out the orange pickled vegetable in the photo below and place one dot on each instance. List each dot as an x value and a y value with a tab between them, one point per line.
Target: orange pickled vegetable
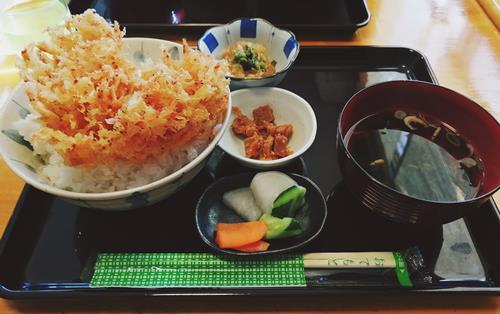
230	236
258	246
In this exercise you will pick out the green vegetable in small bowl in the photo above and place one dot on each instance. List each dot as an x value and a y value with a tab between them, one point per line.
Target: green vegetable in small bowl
231	200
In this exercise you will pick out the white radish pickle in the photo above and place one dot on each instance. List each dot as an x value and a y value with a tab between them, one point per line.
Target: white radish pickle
243	203
277	194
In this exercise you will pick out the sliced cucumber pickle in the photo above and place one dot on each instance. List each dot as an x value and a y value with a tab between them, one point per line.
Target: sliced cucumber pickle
287	203
278	228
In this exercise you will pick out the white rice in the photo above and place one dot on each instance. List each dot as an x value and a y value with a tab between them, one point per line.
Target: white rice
51	169
84	72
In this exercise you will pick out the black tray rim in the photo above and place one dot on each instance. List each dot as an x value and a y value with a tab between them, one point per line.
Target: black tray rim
7	293
299	27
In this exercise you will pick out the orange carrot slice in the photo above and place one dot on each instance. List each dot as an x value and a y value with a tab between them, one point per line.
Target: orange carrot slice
258	246
239	234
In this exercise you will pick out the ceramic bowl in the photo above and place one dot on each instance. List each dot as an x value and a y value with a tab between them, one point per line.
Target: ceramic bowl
17	156
281	45
469	120
288	108
210	211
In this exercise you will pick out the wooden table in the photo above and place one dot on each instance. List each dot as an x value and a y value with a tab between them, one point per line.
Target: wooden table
463	47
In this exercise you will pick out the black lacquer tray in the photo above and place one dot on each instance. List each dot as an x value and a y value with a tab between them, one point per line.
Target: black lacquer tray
191	17
49	246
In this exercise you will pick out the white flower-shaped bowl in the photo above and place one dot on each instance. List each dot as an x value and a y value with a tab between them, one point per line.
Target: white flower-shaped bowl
288	108
16	154
281	45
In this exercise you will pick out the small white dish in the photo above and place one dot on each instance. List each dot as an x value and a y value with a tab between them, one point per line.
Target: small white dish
281	45
288	108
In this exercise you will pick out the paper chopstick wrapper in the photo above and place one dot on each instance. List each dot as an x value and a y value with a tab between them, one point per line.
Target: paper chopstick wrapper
362	260
350	260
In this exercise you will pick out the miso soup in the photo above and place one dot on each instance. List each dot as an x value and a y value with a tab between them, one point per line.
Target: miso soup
416	155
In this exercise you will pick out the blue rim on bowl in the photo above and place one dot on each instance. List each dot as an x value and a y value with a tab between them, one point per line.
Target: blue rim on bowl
248	31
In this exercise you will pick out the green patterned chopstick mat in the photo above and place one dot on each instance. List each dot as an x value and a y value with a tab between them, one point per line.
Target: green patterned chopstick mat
154	270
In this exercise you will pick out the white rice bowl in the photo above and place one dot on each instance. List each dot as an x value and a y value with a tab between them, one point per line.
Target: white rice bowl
102	178
118	187
180	168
